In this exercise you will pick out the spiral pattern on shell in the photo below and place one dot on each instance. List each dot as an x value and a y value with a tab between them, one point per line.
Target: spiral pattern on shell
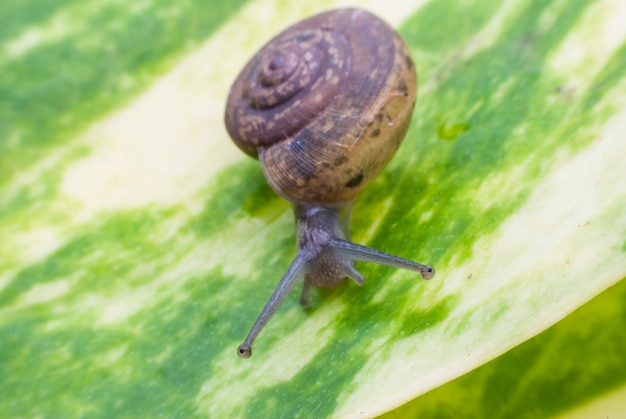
324	105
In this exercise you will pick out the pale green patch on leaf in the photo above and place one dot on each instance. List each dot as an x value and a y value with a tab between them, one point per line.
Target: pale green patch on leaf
139	245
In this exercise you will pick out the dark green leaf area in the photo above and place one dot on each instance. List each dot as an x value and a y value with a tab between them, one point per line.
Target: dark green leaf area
57	373
17	15
111	52
419	320
144	367
239	191
116	248
583	353
442	26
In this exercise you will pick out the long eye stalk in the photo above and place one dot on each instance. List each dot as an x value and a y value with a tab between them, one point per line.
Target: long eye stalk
353	251
290	279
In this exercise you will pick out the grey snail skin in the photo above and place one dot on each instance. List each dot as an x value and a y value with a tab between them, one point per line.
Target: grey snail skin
324	107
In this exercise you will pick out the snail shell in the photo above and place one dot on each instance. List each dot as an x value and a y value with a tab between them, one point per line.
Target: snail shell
324	105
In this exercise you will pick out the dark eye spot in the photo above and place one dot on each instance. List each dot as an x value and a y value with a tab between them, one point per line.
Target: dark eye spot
355	181
375	133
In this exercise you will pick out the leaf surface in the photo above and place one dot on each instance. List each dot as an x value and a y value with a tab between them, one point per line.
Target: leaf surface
139	245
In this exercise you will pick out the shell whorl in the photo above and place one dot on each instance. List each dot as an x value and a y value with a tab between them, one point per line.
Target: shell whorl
324	105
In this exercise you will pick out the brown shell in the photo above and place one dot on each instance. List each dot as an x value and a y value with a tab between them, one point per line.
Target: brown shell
324	105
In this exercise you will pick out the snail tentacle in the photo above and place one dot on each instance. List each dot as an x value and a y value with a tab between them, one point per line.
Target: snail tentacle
295	271
354	274
354	251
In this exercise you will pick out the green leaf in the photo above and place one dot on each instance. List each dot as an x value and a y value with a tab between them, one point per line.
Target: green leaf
139	245
575	367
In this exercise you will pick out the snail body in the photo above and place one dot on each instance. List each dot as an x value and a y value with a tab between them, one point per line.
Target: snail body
324	106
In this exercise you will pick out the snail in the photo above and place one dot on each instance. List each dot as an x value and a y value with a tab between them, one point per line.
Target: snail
324	107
